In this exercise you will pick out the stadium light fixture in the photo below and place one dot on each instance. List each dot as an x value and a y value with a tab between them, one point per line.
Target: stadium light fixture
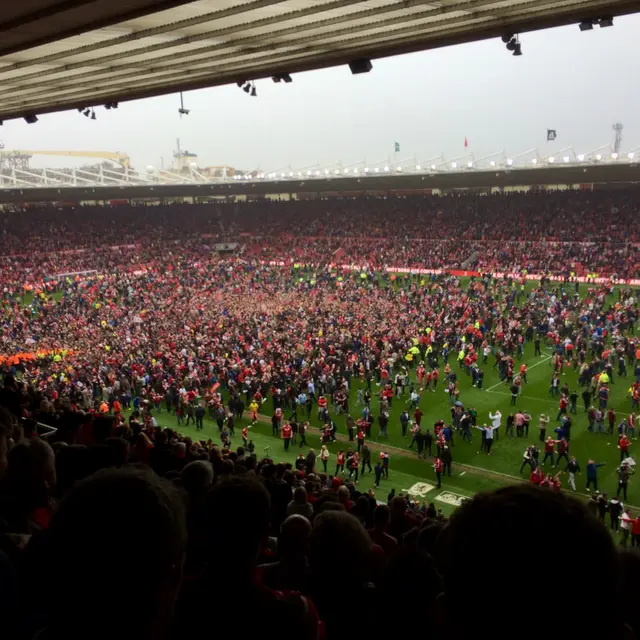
366	169
551	159
518	50
433	167
599	157
566	159
631	155
470	164
299	174
377	169
309	173
31	119
386	168
291	174
586	25
398	168
454	165
282	175
417	167
346	171
360	65
534	161
606	21
337	172
509	162
581	157
492	163
614	156
326	172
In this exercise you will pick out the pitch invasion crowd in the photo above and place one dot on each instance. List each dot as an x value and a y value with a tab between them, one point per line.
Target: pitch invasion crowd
273	542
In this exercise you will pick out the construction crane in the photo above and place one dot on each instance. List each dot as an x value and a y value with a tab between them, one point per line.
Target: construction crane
19	158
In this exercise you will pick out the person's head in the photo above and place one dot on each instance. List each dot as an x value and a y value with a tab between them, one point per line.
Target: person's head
179	450
381	516
300	495
537	515
196	478
294	537
339	545
86	564
234	518
30	477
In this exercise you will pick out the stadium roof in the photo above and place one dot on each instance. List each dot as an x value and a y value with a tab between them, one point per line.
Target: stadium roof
605	175
65	54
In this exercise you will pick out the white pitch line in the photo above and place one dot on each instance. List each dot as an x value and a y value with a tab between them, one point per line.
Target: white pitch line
504	393
533	366
463	473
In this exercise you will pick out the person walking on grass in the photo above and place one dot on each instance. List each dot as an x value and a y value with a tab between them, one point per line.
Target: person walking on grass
572	468
287	433
324	457
592	474
340	458
625	525
447	460
527	459
543	422
563	450
487	436
384	458
624	472
437	467
366	459
549	451
496	421
623	444
378	473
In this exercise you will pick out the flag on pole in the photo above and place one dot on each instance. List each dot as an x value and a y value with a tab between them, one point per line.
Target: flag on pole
551	135
397	147
466	142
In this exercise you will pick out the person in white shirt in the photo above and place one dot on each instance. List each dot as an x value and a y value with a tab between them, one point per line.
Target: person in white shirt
625	526
496	421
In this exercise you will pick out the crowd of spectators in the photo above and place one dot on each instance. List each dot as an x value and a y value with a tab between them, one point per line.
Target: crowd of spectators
113	527
96	542
551	232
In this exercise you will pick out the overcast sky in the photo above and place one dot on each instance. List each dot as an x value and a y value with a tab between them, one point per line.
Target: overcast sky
577	83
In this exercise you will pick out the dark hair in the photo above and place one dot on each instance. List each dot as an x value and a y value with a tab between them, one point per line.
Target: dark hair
233	520
381	515
520	522
86	564
339	545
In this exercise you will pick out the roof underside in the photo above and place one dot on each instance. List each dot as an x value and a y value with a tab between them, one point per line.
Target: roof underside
65	54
